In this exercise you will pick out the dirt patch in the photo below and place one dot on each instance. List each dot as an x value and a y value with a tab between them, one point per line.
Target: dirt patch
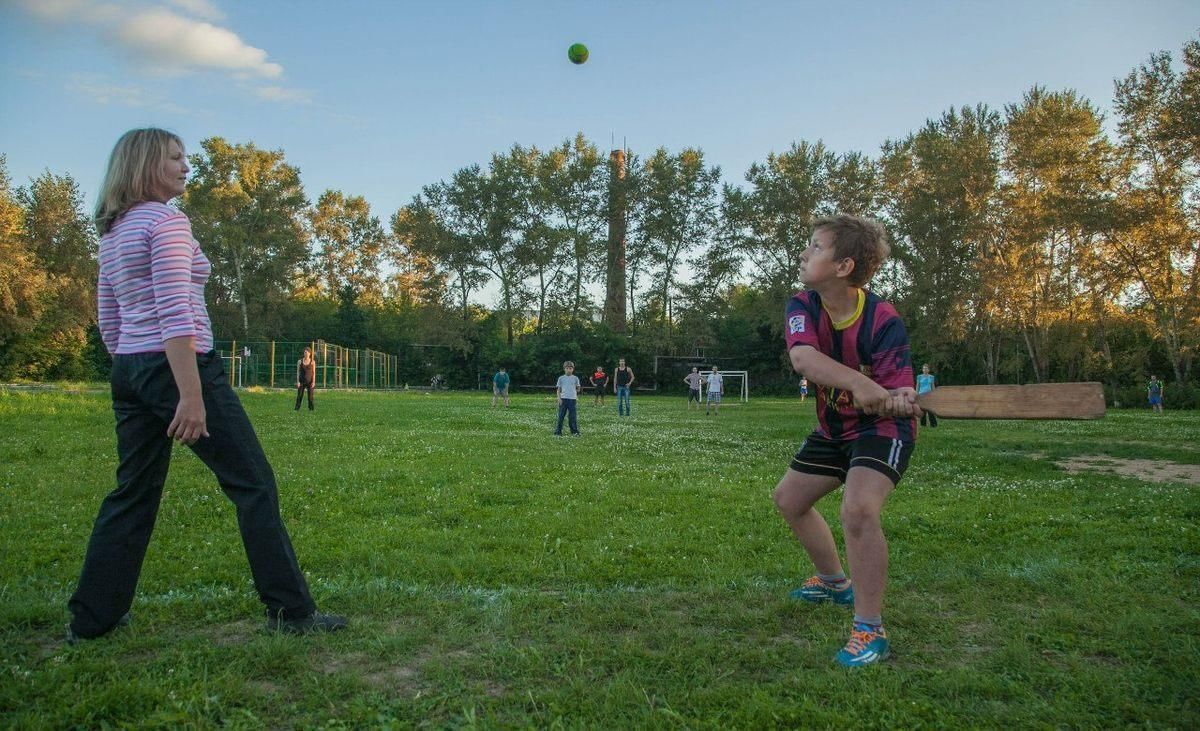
1150	470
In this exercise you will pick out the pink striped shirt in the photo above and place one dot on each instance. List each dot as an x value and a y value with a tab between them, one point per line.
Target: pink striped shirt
152	276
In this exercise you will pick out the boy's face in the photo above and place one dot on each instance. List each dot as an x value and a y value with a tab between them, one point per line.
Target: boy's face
568	369
819	263
925	370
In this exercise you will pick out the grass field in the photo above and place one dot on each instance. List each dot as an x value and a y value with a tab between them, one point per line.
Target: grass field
635	577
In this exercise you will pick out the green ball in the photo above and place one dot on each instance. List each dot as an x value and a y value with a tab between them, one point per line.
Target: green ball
578	53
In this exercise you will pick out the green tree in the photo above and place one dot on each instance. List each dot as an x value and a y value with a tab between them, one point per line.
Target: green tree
247	209
1056	193
679	212
571	185
22	280
420	228
1156	240
60	238
942	186
350	247
771	221
482	212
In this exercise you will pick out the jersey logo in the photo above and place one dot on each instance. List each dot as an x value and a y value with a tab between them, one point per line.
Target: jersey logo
796	324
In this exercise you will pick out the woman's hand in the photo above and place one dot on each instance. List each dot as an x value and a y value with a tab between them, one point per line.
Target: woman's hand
189	422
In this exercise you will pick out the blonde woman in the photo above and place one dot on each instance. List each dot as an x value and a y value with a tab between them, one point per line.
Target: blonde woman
169	385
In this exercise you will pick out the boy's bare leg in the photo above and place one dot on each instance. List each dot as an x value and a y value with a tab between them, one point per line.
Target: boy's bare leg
795	496
866	548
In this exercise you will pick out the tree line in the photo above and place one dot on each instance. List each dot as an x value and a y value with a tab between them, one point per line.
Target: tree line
1029	244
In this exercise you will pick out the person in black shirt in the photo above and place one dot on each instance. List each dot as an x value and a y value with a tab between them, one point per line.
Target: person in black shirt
306	378
621	384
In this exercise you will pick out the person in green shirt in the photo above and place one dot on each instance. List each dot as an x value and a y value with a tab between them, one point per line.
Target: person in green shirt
500	387
1155	394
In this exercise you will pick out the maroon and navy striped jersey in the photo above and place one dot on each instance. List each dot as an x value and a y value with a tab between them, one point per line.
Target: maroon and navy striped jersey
874	343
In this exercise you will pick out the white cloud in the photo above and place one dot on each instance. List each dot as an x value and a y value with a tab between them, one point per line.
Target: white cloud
83	11
281	94
199	8
103	91
164	41
173	41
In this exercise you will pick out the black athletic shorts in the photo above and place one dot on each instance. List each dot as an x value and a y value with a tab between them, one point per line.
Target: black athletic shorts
693	394
821	456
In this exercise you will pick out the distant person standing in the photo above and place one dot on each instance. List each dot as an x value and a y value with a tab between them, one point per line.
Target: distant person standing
693	383
925	384
306	378
803	388
1155	393
568	398
500	383
599	382
622	382
715	387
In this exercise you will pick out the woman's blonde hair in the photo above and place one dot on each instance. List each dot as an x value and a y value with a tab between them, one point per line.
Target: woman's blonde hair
134	173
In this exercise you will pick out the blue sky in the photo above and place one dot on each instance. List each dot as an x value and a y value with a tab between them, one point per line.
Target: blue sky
379	98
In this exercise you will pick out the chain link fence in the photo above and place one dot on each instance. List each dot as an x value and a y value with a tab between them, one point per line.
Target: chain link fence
273	364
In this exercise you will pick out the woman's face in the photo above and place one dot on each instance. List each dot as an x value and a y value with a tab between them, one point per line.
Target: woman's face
174	172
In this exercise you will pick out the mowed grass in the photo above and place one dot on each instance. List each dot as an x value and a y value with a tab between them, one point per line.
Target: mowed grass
634	577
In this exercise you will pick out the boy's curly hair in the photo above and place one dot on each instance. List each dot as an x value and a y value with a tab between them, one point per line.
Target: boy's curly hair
857	238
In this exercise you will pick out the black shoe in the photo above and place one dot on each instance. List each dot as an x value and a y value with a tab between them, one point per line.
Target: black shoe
74	639
313	623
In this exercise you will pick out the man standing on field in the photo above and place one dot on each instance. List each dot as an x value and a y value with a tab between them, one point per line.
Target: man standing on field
714	392
693	383
500	383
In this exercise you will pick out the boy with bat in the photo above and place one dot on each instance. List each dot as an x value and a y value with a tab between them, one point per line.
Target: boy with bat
853	344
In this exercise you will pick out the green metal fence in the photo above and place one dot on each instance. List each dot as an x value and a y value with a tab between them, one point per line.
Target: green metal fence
272	364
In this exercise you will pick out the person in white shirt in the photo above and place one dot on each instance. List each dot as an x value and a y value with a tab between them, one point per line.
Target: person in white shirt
714	392
568	398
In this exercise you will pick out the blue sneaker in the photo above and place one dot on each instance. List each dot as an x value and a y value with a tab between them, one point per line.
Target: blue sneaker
817	591
868	644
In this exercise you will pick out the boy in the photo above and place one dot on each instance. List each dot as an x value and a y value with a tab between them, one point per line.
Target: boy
714	392
1155	392
925	384
854	345
500	383
693	383
568	393
803	389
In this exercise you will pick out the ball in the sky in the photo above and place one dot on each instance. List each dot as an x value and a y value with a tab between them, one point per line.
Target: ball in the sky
578	53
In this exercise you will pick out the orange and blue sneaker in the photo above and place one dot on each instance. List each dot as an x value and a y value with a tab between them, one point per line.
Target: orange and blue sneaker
868	644
817	591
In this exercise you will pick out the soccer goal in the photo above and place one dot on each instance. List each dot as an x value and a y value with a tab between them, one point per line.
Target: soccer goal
731	382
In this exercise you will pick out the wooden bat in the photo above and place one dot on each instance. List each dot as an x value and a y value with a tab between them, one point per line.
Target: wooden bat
1032	401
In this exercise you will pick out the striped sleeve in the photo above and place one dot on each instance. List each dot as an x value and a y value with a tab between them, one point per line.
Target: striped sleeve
891	357
108	314
800	327
171	251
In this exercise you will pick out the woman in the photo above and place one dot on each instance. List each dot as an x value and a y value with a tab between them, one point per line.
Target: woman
169	384
926	383
306	378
